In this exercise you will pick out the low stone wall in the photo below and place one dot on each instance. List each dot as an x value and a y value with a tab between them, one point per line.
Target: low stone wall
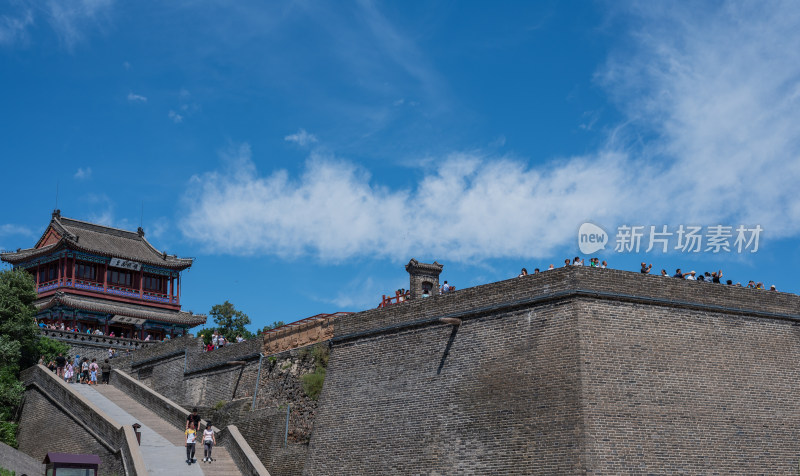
241	453
57	419
17	461
93	346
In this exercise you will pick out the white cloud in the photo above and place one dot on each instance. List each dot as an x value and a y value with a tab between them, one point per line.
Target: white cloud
83	174
136	98
70	18
301	138
10	229
715	86
14	29
176	118
126	65
712	136
470	207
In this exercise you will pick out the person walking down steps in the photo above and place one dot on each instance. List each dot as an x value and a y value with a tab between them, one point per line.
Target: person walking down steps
191	436
209	440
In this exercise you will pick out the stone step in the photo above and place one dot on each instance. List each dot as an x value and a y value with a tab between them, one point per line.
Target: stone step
166	440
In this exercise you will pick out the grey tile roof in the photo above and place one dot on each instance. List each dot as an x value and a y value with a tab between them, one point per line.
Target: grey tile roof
119	308
103	240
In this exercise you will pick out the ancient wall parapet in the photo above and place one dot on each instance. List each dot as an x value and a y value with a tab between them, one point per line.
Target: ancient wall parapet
300	334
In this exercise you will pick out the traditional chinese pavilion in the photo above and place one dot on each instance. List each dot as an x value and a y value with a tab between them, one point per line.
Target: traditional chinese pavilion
94	277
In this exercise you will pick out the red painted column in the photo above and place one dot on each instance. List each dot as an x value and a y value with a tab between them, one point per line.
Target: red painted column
37	277
141	284
105	277
179	289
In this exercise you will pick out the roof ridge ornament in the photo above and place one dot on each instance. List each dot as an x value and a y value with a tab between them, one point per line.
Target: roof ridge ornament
57	213
140	232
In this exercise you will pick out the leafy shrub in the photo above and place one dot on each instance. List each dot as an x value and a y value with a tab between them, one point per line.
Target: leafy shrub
312	383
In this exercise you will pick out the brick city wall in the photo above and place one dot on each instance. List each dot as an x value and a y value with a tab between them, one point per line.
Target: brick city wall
571	371
55	419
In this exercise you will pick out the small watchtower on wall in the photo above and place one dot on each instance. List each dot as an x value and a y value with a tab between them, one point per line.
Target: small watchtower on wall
423	277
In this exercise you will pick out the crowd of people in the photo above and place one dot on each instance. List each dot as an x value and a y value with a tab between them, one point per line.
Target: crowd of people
707	277
218	341
80	370
60	326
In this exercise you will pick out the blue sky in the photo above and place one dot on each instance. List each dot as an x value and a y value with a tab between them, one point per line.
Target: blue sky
303	152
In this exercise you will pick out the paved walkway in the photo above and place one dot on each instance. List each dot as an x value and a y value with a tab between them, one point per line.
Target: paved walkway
162	444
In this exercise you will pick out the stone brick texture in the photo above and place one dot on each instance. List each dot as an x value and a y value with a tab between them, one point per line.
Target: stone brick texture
14	460
571	371
55	420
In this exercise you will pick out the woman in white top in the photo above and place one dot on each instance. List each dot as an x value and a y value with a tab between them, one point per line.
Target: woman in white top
209	440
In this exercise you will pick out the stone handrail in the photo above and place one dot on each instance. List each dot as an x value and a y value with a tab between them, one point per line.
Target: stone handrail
109	433
162	406
245	458
82	337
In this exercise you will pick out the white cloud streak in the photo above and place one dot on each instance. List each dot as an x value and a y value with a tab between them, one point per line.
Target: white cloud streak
176	118
83	173
301	138
13	29
714	93
70	18
11	229
136	98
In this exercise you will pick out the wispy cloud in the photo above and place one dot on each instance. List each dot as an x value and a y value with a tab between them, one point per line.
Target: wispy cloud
356	294
713	91
301	138
13	29
83	173
176	118
136	98
102	209
70	18
11	229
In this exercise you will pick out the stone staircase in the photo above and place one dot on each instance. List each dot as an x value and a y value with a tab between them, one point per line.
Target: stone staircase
162	443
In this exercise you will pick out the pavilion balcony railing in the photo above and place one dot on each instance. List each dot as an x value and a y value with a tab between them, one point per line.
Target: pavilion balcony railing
122	291
154	296
47	285
398	298
109	289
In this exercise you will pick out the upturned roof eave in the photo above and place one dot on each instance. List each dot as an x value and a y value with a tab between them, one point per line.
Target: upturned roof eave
17	257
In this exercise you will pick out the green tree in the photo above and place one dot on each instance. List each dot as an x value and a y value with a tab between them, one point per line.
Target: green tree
230	322
269	327
19	343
